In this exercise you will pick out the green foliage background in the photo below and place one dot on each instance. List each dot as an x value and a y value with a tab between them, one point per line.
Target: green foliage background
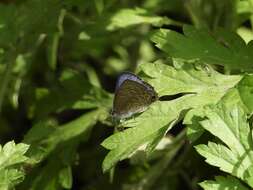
59	60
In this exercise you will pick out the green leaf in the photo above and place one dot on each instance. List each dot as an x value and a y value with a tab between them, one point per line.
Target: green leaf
245	33
49	176
11	80
191	119
243	7
223	183
78	94
11	159
11	154
245	88
218	155
65	177
206	88
159	169
92	75
54	41
45	138
158	136
27	28
99	5
198	81
221	48
127	17
228	122
56	171
59	145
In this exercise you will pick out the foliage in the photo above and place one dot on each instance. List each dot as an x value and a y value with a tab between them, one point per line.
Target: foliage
59	62
223	48
11	159
229	123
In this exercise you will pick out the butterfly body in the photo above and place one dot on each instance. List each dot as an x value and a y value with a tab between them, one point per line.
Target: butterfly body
132	95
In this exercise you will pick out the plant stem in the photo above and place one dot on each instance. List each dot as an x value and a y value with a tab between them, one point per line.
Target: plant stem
6	80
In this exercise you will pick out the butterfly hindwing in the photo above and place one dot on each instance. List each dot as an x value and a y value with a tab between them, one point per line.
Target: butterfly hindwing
132	96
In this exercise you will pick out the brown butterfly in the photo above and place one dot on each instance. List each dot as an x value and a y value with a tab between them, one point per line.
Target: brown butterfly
132	95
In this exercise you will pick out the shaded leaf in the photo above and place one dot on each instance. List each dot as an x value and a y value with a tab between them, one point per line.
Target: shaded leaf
65	177
74	91
44	139
220	48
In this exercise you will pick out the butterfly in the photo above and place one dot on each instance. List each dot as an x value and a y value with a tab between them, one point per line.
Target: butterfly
132	95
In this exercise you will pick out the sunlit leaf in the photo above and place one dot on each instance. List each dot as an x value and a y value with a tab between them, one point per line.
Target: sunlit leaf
205	88
127	17
228	122
11	159
223	183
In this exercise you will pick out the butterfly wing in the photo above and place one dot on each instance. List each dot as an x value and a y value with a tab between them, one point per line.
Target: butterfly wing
132	97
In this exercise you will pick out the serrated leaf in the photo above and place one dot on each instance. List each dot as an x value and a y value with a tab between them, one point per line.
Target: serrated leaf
11	177
213	153
228	122
206	89
12	153
220	48
193	117
11	159
169	80
223	183
245	88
